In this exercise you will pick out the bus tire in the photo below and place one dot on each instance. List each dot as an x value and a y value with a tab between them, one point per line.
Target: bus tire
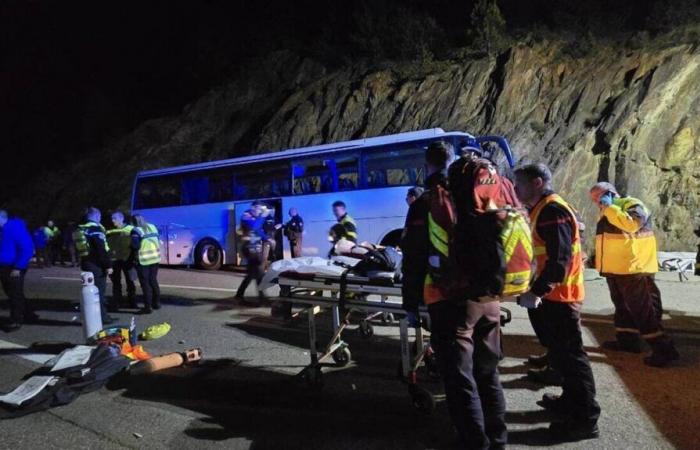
208	255
392	239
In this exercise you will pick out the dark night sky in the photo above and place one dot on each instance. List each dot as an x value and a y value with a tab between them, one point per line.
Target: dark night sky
76	74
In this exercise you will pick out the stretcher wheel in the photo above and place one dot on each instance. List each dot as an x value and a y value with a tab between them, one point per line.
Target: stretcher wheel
422	399
366	329
342	356
388	318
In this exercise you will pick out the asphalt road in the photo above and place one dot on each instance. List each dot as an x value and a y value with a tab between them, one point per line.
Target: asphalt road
245	394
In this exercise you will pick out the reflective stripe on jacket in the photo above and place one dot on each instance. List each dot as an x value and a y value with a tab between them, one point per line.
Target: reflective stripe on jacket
83	232
624	242
350	227
571	289
149	248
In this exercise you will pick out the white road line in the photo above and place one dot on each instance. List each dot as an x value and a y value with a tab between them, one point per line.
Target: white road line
39	358
172	286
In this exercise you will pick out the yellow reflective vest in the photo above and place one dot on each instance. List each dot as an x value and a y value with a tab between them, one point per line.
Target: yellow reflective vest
624	242
149	249
119	240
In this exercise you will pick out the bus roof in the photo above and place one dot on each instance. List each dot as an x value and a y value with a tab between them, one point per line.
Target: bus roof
307	151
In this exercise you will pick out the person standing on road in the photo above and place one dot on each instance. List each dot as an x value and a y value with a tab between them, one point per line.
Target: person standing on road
145	243
15	253
557	292
253	237
465	333
294	230
119	240
625	254
347	222
53	243
40	247
271	228
91	244
69	243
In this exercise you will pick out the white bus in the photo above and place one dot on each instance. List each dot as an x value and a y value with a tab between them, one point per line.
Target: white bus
197	207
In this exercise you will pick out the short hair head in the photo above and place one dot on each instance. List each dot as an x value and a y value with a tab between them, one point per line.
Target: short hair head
533	171
118	215
139	220
339	204
439	154
600	189
92	213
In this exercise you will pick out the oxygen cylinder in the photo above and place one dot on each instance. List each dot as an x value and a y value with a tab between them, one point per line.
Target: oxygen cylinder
90	306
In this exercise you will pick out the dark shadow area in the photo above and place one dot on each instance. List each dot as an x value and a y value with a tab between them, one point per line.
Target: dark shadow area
275	410
668	396
51	348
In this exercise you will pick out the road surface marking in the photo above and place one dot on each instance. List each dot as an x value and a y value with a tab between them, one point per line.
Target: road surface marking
171	286
39	358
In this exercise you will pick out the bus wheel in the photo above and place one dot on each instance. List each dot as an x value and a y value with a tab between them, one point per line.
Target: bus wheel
392	239
208	255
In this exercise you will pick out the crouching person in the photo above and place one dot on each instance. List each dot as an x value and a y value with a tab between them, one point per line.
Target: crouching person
465	334
558	293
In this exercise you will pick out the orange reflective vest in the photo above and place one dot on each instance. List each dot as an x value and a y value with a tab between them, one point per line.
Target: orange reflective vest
571	288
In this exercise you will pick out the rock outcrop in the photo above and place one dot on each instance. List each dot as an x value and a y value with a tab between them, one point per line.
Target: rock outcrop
630	117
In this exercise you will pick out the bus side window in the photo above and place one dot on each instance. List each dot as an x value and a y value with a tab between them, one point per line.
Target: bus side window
195	190
394	166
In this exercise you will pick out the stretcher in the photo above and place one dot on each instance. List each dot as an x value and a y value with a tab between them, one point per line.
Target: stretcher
333	286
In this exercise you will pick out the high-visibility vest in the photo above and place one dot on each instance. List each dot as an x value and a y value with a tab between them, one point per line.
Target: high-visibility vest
351	231
571	289
149	250
80	237
622	247
119	240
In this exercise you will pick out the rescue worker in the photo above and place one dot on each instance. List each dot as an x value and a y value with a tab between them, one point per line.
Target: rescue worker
625	254
344	219
145	246
465	334
294	230
413	194
558	292
253	237
119	240
53	243
91	244
15	253
271	227
69	244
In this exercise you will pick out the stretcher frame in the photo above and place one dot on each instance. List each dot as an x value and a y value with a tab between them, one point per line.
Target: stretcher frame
305	291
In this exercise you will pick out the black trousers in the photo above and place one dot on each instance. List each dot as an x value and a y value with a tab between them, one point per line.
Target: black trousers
100	277
566	354
466	338
255	268
295	248
125	268
14	289
148	279
638	307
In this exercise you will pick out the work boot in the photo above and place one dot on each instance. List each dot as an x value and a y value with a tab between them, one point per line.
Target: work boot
572	431
156	305
107	320
146	310
546	375
133	304
554	403
31	317
538	360
624	342
662	354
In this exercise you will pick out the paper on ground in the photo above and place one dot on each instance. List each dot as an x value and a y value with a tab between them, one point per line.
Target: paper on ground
27	390
76	356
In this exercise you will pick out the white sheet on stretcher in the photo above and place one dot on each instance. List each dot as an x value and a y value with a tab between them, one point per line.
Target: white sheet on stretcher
311	264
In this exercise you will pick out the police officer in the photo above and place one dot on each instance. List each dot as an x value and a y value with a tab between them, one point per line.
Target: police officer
271	228
253	237
465	334
347	222
626	256
91	244
294	230
145	244
119	240
558	292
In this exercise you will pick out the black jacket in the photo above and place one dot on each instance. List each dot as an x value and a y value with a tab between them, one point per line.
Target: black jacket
97	245
415	245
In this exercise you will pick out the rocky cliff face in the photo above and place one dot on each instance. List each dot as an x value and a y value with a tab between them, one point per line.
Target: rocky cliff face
630	117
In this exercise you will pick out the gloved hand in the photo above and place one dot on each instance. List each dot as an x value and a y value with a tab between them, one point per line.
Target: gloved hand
413	319
529	300
606	200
